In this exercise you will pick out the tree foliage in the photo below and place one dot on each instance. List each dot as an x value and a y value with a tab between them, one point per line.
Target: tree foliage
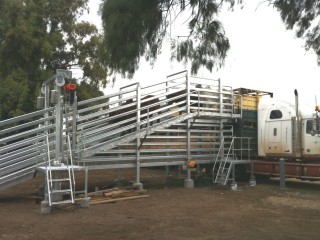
87	91
36	38
133	29
304	17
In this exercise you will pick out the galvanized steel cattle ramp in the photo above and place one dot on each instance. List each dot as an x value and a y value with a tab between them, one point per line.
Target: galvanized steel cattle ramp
169	123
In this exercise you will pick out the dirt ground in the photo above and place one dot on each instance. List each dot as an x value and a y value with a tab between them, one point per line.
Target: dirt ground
171	212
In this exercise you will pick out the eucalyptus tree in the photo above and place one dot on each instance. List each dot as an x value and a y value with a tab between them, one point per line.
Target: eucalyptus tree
36	38
304	17
133	29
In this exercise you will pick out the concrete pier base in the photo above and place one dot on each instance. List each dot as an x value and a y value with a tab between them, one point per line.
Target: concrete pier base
138	186
85	202
188	183
252	182
45	207
234	186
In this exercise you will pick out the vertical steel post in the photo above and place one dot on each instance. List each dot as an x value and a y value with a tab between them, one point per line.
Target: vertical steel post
233	173
60	81
188	182
46	106
86	182
46	99
252	180
221	121
119	170
282	172
59	124
46	115
74	123
58	140
188	126
138	92
298	147
232	103
220	96
167	154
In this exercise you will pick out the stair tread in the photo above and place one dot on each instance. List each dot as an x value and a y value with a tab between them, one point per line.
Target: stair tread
221	175
222	182
60	179
62	202
63	168
62	191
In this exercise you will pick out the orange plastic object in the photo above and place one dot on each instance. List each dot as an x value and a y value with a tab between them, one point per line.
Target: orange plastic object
71	87
192	164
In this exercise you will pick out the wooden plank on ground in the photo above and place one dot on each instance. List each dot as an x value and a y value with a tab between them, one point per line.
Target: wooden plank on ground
101	201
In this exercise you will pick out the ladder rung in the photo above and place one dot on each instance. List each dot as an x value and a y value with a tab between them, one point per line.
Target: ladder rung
61	191
60	168
60	179
222	176
62	202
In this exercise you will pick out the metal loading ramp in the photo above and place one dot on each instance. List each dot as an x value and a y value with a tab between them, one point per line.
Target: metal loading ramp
165	147
163	124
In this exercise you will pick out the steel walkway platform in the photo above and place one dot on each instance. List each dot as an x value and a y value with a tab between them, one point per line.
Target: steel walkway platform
165	123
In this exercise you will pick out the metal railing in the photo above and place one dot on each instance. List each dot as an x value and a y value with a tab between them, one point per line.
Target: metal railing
105	129
23	145
238	152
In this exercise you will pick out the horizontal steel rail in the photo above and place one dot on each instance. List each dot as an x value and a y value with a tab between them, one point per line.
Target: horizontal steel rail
107	128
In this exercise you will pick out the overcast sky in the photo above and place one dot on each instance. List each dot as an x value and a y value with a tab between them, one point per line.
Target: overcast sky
263	56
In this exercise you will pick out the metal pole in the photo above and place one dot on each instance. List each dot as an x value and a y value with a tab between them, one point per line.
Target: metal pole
188	126
298	126
252	180
59	125
86	182
220	97
138	183
74	122
46	115
282	172
120	170
188	149
234	185
188	182
233	173
221	121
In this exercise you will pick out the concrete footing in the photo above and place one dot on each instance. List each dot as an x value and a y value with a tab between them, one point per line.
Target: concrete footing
252	182
138	186
45	207
85	202
234	186
188	183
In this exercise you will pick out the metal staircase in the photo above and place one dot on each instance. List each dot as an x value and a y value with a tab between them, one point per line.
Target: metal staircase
122	129
59	176
224	165
55	180
142	132
225	161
